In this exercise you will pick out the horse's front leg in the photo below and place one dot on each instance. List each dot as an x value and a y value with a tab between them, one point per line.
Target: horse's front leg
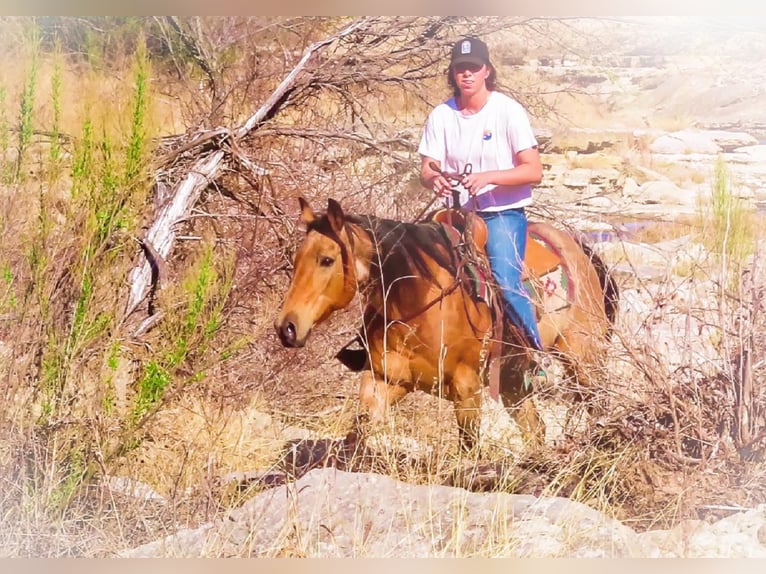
376	395
466	386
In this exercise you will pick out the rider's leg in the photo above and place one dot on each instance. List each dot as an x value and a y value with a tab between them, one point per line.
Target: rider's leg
506	244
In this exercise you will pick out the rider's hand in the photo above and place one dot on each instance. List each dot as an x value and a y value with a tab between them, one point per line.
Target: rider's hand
474	182
442	186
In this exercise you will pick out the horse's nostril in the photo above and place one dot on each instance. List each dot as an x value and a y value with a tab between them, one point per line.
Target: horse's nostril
287	333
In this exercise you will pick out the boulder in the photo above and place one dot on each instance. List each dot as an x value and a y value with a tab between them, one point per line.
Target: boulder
685	141
701	141
331	513
665	193
740	535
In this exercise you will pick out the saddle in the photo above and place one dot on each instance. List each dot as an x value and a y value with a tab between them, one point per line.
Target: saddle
468	234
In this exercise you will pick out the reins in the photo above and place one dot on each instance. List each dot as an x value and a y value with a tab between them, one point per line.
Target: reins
456	177
487	351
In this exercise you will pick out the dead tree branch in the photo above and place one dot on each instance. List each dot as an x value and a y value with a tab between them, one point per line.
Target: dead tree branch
161	234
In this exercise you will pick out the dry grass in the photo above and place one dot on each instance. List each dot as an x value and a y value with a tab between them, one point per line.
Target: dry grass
222	398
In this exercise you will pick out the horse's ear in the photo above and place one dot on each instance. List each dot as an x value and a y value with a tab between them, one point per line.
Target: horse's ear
335	215
307	214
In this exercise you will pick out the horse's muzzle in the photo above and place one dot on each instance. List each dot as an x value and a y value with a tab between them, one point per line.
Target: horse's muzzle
288	333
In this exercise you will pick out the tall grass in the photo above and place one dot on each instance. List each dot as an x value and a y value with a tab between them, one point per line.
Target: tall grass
727	223
84	393
55	149
136	152
26	109
5	139
69	275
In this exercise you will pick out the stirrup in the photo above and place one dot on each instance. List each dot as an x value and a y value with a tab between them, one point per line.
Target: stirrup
537	370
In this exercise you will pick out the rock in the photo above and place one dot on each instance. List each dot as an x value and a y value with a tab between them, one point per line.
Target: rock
605	177
685	141
729	141
695	141
665	193
630	187
748	154
599	202
632	302
132	488
587	140
331	513
632	253
735	536
577	178
761	534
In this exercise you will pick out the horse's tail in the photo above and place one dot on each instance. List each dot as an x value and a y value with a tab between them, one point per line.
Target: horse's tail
608	284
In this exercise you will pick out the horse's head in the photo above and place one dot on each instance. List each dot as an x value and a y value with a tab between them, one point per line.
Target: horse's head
327	269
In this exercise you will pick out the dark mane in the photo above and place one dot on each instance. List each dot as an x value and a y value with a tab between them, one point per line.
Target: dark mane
401	247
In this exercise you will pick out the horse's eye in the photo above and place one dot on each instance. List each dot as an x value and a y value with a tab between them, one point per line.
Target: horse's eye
325	261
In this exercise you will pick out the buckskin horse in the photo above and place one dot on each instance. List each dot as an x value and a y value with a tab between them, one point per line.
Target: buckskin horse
423	323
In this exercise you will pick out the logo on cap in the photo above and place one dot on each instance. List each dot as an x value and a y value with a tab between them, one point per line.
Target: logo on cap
465	47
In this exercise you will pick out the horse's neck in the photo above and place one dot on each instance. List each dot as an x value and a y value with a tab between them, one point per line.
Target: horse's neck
368	259
402	296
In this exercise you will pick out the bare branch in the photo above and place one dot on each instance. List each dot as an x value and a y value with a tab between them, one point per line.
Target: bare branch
267	108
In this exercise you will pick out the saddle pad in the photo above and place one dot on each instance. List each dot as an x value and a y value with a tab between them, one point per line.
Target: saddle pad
550	292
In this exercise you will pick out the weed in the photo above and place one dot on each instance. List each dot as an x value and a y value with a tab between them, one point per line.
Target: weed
26	109
8	299
4	128
55	149
82	178
136	151
151	388
727	223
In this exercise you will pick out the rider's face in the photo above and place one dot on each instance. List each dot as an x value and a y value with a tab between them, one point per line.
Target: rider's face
470	77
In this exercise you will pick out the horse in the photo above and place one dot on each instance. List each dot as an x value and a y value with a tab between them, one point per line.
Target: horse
423	326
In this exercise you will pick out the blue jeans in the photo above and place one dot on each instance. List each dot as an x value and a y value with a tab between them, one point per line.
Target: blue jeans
506	245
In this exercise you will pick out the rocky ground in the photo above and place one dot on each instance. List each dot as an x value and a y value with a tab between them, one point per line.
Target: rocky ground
331	513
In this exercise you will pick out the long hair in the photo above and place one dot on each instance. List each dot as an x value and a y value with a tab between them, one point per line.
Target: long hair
491	80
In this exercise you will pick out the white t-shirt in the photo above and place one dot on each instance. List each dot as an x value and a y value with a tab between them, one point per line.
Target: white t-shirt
488	140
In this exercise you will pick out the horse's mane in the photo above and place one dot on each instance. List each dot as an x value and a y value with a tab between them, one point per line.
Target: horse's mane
400	248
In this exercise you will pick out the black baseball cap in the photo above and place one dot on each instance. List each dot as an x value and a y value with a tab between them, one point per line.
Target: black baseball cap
469	51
